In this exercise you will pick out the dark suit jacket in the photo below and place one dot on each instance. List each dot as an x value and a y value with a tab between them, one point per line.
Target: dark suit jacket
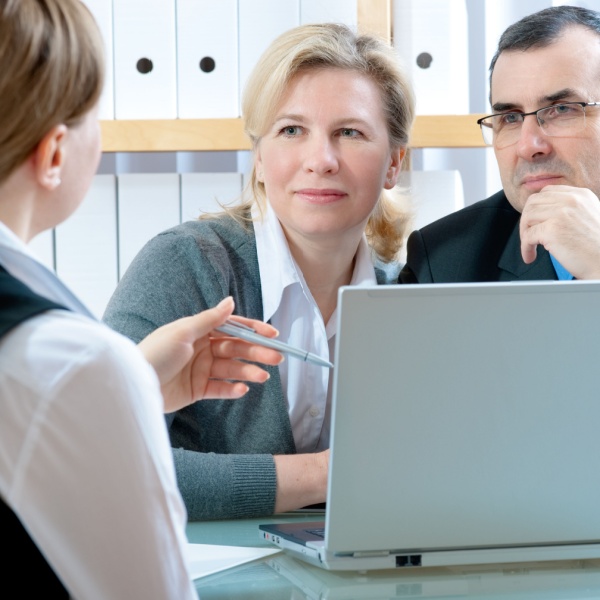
478	243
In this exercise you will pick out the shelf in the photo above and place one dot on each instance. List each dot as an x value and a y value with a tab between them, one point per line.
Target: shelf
430	131
447	131
375	17
201	135
173	135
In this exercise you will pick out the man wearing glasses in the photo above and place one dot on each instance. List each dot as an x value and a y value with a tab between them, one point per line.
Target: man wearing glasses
545	131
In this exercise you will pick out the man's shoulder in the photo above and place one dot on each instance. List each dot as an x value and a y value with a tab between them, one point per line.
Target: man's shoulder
484	212
463	246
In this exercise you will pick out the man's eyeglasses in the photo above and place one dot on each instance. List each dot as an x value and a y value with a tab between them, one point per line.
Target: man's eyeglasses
559	120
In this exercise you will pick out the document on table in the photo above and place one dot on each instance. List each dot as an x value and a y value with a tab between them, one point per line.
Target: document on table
206	559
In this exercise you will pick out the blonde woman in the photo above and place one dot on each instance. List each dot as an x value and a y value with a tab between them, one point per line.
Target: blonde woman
329	115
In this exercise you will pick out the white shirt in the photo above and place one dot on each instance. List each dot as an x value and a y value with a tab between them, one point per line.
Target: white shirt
85	460
289	304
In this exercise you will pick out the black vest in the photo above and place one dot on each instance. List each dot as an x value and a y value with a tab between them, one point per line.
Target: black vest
18	303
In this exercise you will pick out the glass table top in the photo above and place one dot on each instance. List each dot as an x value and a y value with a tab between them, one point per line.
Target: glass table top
280	576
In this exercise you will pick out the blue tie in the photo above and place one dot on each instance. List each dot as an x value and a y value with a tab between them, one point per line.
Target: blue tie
561	272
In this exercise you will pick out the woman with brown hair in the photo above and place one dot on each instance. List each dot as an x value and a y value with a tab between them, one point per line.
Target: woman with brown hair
89	505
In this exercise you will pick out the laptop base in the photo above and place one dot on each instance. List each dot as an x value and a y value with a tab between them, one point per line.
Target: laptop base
314	552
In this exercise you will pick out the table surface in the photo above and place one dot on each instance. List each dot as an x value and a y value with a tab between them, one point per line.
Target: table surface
282	577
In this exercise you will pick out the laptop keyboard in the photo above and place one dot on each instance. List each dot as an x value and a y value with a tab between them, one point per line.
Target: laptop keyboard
318	532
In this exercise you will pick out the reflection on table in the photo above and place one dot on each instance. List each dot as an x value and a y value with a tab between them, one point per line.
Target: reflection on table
281	577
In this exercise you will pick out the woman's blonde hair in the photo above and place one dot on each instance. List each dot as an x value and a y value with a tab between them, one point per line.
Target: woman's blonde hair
331	45
51	72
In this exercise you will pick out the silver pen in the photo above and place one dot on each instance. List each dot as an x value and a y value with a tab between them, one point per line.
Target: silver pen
247	333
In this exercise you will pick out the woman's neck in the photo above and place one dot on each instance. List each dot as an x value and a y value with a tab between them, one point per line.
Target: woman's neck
17	210
325	269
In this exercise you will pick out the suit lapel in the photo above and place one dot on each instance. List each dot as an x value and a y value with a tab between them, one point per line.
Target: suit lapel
512	263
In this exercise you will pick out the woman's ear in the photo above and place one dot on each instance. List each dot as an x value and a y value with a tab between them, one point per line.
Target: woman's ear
49	156
258	166
391	177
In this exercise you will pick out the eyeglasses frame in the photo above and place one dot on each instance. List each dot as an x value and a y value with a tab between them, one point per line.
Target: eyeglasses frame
533	112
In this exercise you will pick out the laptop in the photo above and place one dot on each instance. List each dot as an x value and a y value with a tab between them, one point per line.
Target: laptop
465	428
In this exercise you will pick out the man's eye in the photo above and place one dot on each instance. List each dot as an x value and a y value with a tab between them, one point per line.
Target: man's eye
564	109
510	119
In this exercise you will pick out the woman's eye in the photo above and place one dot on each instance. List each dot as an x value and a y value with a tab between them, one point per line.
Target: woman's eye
350	132
291	130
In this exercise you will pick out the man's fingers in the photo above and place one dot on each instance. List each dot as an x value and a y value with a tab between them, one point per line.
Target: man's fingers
528	252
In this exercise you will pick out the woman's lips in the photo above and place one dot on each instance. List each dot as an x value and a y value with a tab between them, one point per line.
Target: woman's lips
320	196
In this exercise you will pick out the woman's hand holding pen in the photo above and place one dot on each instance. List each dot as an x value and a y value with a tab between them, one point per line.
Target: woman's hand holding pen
193	362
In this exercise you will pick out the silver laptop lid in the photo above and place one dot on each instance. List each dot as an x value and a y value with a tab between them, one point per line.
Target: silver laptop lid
465	416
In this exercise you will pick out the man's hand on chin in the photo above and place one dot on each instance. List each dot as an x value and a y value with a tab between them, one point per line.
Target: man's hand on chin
566	221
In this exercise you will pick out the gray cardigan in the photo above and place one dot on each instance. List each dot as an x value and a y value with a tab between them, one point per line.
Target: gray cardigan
223	449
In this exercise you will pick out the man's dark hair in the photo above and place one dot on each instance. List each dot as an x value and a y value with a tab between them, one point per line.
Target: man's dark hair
543	28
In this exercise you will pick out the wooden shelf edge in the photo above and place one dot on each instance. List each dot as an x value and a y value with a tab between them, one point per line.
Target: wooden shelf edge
185	135
375	17
446	131
202	135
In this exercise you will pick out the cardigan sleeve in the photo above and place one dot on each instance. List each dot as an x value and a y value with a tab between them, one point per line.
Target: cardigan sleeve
178	274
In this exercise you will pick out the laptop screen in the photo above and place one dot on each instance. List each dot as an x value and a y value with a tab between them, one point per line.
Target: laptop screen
465	416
